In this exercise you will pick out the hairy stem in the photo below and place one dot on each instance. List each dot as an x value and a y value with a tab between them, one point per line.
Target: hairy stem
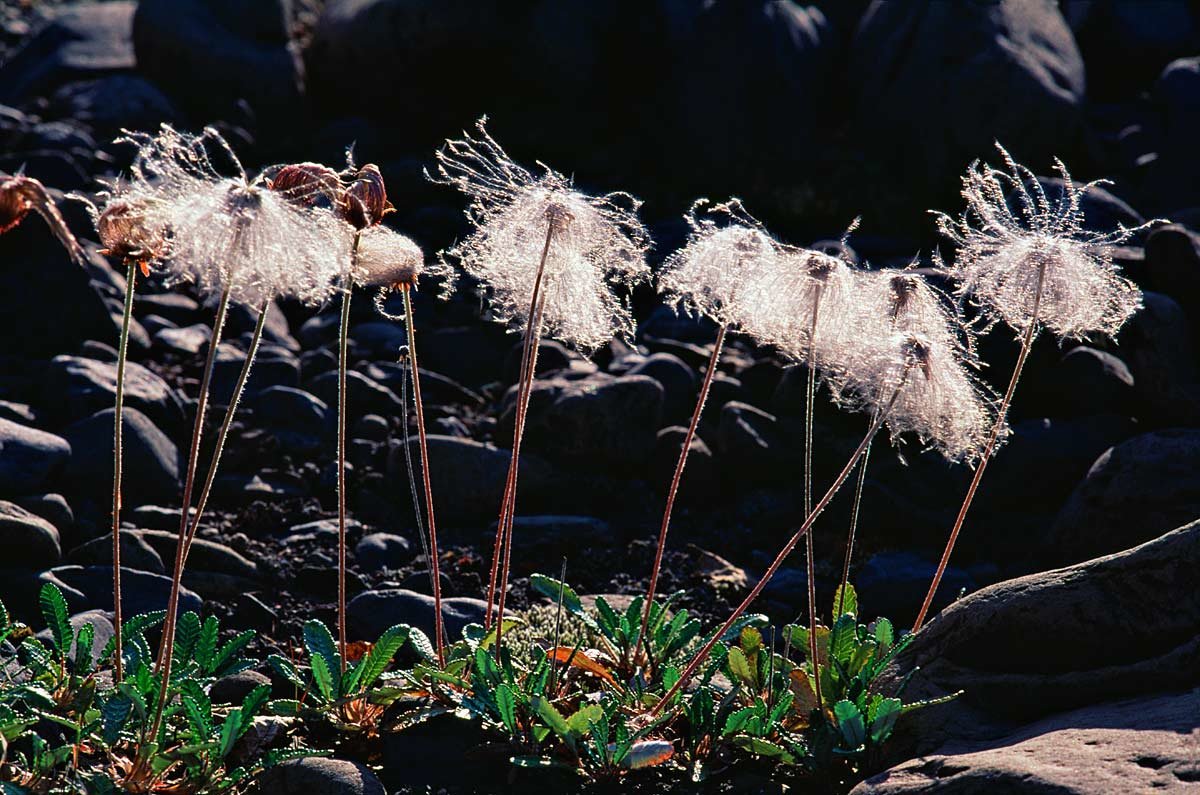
810	565
713	359
118	429
167	649
704	651
343	356
858	491
433	542
1001	418
524	384
223	434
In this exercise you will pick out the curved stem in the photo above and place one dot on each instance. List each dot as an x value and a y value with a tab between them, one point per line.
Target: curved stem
525	380
343	357
167	649
118	422
223	433
858	491
433	543
713	359
1001	418
703	653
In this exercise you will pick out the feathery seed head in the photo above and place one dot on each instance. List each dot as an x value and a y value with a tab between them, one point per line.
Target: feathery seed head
18	195
126	233
585	246
366	199
233	232
1015	244
726	252
387	259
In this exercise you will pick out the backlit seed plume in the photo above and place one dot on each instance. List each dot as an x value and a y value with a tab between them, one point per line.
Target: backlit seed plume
592	244
903	301
20	194
726	254
939	402
124	223
1011	231
234	232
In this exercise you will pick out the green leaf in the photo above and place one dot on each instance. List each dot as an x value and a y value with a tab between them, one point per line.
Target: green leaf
850	724
57	617
737	721
584	717
115	713
647	753
882	716
765	748
739	666
844	639
252	704
320	644
206	644
84	640
227	656
421	643
378	658
848	599
284	668
230	731
748	620
552	717
884	634
609	620
550	587
322	678
506	703
187	632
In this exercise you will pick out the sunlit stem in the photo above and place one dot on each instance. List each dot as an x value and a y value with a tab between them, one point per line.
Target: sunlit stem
809	561
858	492
524	385
713	359
167	649
118	430
343	362
223	434
707	648
433	542
1001	418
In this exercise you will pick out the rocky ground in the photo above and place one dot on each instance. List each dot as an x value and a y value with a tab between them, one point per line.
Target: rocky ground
1078	679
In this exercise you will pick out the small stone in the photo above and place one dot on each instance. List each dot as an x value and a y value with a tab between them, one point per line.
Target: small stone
29	457
314	775
27	539
372	612
234	688
377	551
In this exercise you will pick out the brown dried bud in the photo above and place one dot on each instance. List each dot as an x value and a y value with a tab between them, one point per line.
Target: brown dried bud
366	198
307	183
820	266
15	201
904	287
918	354
20	194
559	216
123	231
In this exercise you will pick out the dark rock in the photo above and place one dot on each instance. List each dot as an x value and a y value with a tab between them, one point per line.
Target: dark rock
539	541
751	443
1086	382
371	427
679	383
597	421
378	339
268	487
472	356
28	539
297	420
89	587
1007	71
981	645
1102	211
211	54
175	307
54	508
429	756
552	355
29	457
277	334
378	551
136	553
895	584
102	629
362	393
250	611
271	368
20	413
1173	265
151	463
314	775
1140	745
1157	345
1134	492
372	612
436	389
113	103
322	581
234	688
75	388
203	554
1171	175
82	41
188	341
701	477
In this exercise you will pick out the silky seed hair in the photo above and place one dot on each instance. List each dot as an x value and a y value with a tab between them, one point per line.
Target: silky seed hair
1005	245
940	401
126	226
727	252
235	232
596	243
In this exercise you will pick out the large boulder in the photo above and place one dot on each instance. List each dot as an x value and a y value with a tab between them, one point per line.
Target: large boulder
372	612
28	540
1157	344
937	83
314	775
76	387
28	457
1138	745
1134	492
150	461
211	54
1120	626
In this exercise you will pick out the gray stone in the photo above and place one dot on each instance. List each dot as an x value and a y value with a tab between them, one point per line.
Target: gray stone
362	393
54	508
189	340
296	419
233	689
1134	492
115	102
538	541
1157	345
102	631
372	612
679	383
27	539
88	587
28	457
1139	745
136	553
75	388
314	775
150	460
377	551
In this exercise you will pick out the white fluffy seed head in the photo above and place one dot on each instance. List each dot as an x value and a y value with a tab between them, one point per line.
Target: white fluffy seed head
1011	237
387	259
726	254
939	401
591	245
234	232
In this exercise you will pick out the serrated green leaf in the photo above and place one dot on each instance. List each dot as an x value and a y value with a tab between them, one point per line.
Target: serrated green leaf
882	716
84	640
230	732
850	724
848	599
322	677
550	588
284	668
187	632
552	718
843	639
506	703
737	721
206	644
583	717
57	616
421	643
226	658
739	666
320	644
884	634
373	664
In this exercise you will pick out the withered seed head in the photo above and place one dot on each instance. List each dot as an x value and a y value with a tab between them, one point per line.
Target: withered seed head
126	235
305	184
904	287
917	354
366	198
20	194
15	202
559	216
820	266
